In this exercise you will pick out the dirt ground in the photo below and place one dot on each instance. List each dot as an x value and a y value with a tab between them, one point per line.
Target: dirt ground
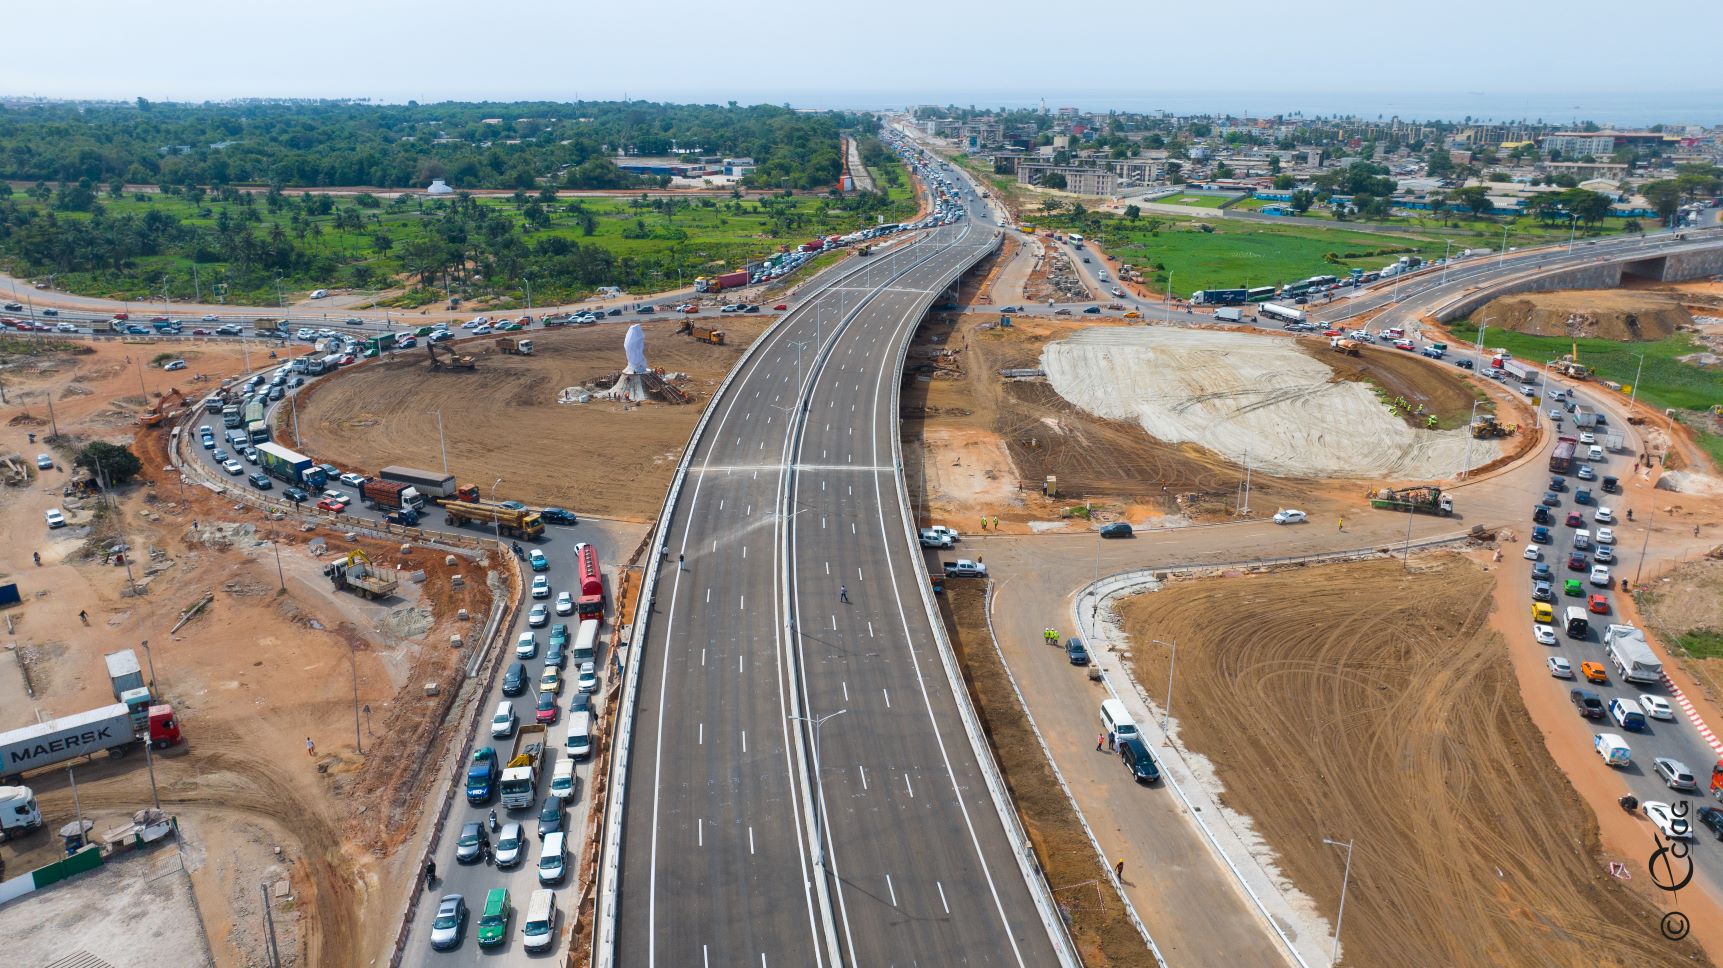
1688	599
978	443
1620	314
1096	915
253	675
1428	389
502	419
1472	846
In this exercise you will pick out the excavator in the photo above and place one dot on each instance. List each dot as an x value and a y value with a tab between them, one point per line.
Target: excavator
1569	366
161	411
454	361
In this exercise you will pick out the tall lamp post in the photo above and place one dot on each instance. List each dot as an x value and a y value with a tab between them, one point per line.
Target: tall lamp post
1345	881
1172	666
496	518
815	722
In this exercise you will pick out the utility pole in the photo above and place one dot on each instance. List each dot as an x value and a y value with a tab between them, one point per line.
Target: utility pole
353	659
151	659
281	576
441	444
1345	881
1633	398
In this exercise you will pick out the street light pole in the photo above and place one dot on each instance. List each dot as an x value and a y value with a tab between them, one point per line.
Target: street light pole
496	518
819	835
1633	398
1345	882
1466	469
1172	666
151	660
441	443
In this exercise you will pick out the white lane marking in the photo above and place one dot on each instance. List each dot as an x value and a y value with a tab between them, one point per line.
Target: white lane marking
942	902
834	623
744	551
863	770
701	740
909	786
852	527
702	655
720	504
743	604
708	595
714	545
700	835
750	851
739	660
858	574
870	629
744	741
828	568
887	693
891	890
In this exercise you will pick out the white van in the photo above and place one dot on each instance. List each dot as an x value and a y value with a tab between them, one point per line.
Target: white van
1115	720
1627	713
552	859
1581	540
585	643
579	742
538	931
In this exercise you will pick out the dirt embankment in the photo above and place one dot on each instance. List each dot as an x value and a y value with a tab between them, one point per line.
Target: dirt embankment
1617	314
980	443
1685	607
502	420
1103	934
1362	702
1427	388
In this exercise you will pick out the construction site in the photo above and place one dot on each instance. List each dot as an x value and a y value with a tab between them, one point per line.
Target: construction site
279	675
544	422
1383	710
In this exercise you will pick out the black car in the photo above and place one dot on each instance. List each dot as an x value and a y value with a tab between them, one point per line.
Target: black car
1463	364
1541	515
1611	485
1713	818
1137	758
1551	500
1092	310
260	481
647	309
514	680
551	819
558	516
1075	652
1118	529
1587	703
296	495
581	702
470	845
1558	483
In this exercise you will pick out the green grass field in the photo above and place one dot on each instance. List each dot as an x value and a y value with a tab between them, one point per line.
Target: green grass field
1665	382
697	236
1195	201
1237	255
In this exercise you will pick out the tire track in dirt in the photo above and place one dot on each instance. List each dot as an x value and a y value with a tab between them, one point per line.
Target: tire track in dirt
216	773
1360	701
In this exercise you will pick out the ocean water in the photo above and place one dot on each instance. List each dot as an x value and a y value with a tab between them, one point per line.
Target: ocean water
1609	108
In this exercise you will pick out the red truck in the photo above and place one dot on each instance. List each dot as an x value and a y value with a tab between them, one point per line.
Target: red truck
729	280
1561	459
590	600
391	495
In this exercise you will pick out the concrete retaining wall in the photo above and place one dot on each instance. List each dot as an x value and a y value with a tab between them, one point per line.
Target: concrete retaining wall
1675	267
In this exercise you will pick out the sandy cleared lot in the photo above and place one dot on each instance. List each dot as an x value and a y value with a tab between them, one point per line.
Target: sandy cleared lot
502	419
136	910
1360	701
1250	397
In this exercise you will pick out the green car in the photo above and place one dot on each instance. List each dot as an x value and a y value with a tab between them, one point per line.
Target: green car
494	923
1573	588
424	331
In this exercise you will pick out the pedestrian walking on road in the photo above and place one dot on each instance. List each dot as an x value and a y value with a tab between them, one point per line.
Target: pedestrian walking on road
430	873
38	556
678	562
1112	740
1100	741
1119	870
84	616
310	747
1342	524
843	593
984	522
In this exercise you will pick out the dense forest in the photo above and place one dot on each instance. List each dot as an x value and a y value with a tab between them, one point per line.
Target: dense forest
207	228
470	145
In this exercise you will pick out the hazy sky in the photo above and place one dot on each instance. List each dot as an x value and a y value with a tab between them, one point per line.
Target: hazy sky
1508	56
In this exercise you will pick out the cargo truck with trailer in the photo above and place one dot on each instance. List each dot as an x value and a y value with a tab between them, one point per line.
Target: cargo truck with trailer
719	283
1285	314
520	770
19	813
124	673
513	522
429	483
290	467
391	495
115	729
1627	650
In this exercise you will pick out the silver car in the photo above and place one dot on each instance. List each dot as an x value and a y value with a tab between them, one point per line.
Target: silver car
450	923
1675	774
511	845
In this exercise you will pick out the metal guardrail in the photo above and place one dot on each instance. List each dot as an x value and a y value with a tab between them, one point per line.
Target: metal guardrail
1047	752
609	872
1022	851
1098	592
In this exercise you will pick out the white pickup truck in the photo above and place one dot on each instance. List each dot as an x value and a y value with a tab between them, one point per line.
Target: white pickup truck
964	568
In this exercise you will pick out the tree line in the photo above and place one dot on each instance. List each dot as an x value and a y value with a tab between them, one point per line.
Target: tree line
482	145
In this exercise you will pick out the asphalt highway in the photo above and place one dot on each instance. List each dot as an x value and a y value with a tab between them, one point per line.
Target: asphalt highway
719	863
